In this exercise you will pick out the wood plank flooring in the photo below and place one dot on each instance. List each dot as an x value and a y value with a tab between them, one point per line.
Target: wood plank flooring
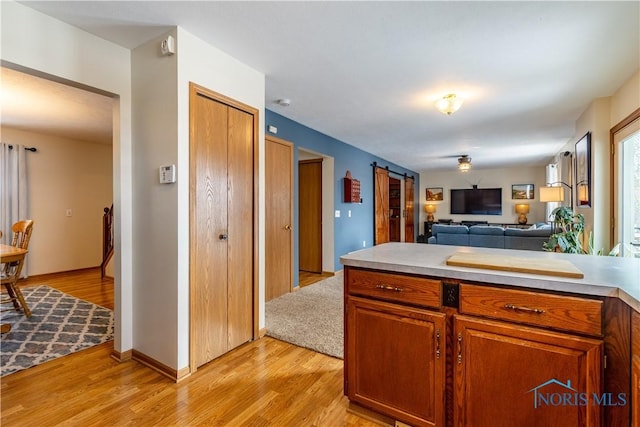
263	383
306	278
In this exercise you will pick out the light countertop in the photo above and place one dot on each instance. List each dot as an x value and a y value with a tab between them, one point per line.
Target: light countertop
603	275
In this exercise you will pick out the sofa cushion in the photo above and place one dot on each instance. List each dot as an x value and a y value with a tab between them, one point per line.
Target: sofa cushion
538	232
486	241
457	235
515	238
486	236
449	229
492	230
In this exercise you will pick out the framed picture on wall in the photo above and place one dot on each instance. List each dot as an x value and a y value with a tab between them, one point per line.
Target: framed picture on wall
583	171
522	191
435	194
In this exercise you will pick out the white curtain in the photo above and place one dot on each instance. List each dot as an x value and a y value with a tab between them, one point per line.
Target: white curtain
13	188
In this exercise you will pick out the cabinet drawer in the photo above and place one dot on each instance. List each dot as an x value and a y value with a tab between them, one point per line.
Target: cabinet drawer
553	311
394	287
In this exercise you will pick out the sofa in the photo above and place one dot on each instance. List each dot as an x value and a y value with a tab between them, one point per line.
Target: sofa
491	236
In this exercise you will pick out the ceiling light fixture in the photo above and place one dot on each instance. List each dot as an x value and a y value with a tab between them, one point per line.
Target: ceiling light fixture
464	163
449	104
284	102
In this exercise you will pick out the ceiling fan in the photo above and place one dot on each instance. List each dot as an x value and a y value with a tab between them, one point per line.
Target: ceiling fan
464	163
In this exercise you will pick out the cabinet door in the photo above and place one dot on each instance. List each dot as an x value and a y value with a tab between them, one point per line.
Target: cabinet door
396	360
508	375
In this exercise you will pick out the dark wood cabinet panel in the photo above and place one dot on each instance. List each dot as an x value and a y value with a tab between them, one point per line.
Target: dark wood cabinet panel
508	375
404	347
395	360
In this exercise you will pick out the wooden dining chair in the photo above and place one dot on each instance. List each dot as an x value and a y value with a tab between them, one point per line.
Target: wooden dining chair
11	270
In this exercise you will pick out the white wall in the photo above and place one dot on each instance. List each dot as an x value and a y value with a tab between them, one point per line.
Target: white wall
161	101
65	174
155	130
208	66
626	99
596	119
599	117
484	178
27	40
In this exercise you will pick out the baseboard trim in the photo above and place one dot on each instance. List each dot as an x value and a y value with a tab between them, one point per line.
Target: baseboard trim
122	357
262	332
172	374
56	274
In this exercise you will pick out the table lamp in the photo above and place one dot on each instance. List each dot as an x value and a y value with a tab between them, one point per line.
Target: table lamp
523	210
431	209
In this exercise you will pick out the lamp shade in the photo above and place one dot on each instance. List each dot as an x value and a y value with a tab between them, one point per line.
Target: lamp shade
430	211
522	208
583	193
551	194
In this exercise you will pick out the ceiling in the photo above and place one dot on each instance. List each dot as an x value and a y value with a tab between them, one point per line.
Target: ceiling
367	73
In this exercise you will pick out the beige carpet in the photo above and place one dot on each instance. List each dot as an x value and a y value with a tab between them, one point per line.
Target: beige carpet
311	317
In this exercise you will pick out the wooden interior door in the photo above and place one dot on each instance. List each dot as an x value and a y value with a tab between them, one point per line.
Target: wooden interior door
395	210
409	225
222	223
240	227
279	217
381	205
310	215
209	222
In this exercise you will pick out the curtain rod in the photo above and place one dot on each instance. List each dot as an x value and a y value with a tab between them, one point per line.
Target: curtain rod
32	149
375	165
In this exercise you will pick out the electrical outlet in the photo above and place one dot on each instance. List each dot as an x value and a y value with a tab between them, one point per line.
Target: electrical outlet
364	243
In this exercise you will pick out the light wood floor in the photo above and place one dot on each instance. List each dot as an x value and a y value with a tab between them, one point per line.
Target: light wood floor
306	278
263	383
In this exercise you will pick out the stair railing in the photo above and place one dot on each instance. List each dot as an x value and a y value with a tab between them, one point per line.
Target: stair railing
107	239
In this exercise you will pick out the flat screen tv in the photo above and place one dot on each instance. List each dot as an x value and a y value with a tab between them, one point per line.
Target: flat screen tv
476	201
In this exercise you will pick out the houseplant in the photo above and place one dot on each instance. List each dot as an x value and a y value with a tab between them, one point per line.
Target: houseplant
568	229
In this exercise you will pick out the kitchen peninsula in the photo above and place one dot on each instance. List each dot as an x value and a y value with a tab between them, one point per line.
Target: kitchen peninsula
432	344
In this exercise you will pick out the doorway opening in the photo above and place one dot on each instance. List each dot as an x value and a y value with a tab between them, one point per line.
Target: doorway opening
315	217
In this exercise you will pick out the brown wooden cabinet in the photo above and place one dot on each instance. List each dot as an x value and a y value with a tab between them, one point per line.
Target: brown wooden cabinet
432	351
396	360
508	375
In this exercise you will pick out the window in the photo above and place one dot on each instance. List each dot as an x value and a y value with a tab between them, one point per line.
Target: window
626	184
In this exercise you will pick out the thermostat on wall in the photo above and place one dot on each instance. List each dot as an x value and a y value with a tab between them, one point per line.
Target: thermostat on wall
167	174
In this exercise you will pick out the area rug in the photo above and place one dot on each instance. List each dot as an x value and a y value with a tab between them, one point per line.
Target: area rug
310	318
59	325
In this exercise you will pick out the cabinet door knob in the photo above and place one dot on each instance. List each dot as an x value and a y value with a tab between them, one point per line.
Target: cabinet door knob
223	236
288	227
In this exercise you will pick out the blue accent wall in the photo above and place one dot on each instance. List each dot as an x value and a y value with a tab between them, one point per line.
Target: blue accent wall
349	233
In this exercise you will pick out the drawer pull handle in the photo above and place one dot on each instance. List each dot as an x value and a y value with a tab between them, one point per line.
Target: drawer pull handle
389	288
438	344
525	309
459	348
